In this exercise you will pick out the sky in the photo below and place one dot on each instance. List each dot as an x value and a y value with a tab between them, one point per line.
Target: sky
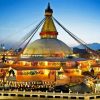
81	17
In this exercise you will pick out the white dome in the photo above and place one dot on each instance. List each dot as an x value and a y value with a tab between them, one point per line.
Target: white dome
47	47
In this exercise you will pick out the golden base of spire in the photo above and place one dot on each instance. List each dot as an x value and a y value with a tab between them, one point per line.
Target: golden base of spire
48	34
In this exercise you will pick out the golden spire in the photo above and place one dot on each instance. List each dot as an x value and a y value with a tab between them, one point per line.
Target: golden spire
48	29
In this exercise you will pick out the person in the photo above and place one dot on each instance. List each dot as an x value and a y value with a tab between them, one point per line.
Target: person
92	71
11	72
3	59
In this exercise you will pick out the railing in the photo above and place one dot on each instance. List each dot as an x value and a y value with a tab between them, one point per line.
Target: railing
71	96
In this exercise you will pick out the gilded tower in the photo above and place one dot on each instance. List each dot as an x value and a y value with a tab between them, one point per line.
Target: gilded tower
48	29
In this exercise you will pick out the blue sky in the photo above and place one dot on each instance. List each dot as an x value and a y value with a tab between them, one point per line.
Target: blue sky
81	17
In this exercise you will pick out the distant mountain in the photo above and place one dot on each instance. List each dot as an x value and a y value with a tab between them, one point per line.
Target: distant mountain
95	46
